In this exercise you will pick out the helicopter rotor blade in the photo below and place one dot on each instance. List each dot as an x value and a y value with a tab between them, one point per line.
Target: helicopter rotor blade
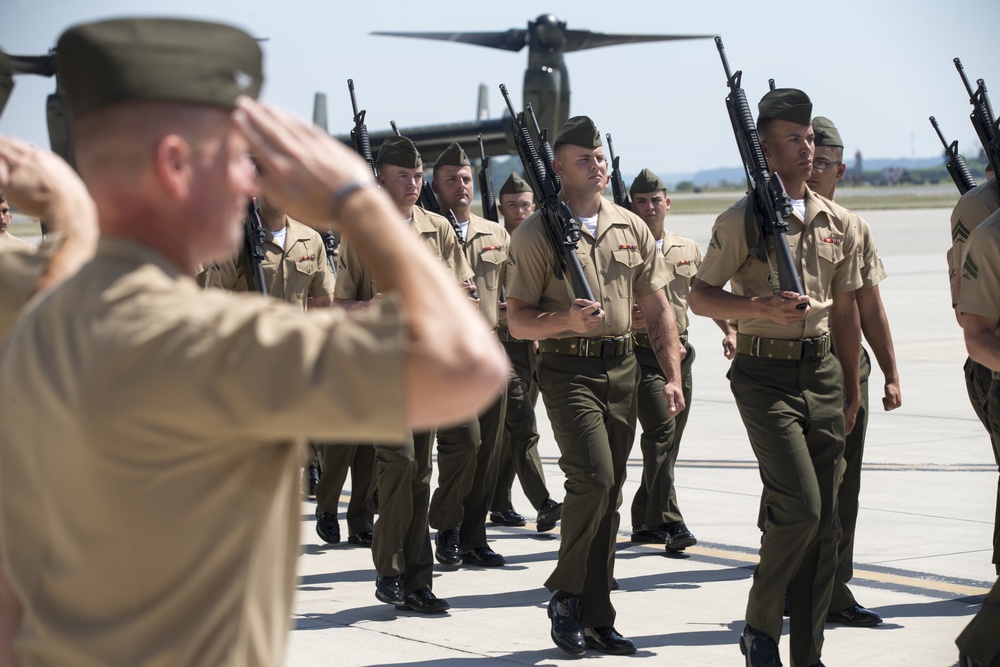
40	65
579	40
510	40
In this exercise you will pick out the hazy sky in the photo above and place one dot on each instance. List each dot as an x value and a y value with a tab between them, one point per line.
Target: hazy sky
878	68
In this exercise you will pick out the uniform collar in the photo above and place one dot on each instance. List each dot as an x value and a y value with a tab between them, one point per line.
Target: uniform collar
422	221
670	240
816	204
608	216
117	247
479	226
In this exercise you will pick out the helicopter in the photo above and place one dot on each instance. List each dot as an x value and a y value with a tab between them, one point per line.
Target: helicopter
56	112
546	82
546	85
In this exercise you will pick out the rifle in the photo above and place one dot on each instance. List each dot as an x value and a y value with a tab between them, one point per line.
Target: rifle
617	182
252	257
546	149
766	194
461	240
486	185
982	118
427	200
956	163
359	133
331	241
562	228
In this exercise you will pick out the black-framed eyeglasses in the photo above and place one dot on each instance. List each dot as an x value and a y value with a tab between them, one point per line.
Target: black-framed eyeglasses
821	165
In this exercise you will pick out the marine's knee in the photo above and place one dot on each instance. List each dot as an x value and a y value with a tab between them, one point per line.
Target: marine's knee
801	517
595	481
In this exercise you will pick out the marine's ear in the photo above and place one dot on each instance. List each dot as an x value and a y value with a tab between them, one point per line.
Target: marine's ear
173	165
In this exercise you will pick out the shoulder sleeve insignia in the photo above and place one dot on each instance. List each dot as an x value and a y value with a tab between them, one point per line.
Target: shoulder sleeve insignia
970	270
960	232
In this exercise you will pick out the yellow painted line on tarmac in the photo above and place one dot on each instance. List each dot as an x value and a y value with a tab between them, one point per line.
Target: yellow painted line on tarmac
888	578
873	466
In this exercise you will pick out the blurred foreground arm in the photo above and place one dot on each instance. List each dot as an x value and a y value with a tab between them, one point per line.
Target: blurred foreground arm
42	185
454	366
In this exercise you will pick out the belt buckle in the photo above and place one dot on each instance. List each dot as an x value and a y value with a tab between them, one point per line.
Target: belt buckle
585	347
809	347
609	348
755	346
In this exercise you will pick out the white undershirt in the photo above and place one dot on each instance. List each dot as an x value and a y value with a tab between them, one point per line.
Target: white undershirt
464	226
799	206
279	237
659	244
590	224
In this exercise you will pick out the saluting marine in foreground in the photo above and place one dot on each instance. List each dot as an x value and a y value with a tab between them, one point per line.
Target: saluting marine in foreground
117	510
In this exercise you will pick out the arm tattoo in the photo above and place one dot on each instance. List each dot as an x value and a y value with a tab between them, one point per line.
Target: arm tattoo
655	337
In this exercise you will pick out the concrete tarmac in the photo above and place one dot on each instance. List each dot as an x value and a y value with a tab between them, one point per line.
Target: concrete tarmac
923	543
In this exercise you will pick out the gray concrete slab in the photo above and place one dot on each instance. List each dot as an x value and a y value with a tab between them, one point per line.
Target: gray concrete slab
923	541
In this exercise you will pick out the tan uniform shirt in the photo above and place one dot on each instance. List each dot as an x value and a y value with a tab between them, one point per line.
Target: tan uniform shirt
486	250
824	250
150	501
294	273
872	269
975	206
20	267
621	263
356	282
683	257
981	272
9	240
19	270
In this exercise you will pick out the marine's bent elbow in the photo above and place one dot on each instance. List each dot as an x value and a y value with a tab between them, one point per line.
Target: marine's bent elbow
451	385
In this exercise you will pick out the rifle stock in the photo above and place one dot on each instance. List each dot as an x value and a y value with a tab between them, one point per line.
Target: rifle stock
770	203
560	225
955	163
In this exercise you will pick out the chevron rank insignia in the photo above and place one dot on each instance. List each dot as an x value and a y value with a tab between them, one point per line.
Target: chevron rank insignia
960	233
970	270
